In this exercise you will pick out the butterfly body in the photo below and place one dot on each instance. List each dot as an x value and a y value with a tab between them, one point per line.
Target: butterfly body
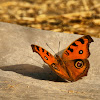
73	64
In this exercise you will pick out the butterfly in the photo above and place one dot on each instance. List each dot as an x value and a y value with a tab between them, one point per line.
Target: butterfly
73	64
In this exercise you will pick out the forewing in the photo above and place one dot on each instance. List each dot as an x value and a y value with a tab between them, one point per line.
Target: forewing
79	49
45	55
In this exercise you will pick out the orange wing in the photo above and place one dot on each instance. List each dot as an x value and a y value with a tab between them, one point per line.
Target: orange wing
56	64
45	55
75	58
79	49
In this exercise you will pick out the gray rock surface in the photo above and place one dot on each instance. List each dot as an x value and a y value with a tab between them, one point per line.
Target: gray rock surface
24	76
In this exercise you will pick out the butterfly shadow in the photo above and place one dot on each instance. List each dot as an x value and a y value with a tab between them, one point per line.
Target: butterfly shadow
34	71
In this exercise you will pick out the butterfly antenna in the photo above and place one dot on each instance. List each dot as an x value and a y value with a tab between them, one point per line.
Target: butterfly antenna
49	47
58	47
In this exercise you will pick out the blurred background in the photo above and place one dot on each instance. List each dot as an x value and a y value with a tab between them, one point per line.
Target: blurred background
68	16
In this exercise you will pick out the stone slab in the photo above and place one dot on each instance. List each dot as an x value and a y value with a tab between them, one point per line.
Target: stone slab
24	76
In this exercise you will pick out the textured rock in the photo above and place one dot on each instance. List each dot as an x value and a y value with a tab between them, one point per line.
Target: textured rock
24	76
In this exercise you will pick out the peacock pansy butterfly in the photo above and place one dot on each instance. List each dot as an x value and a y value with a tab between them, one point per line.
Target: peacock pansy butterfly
73	64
